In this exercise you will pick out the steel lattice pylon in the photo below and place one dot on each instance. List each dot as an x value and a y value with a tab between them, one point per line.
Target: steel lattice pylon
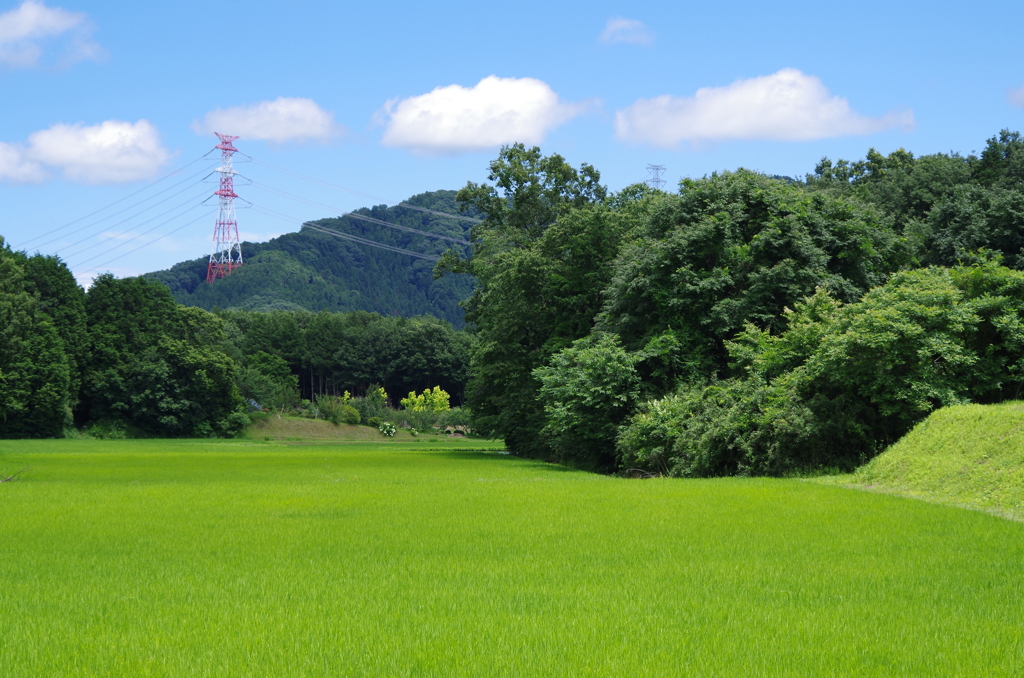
227	250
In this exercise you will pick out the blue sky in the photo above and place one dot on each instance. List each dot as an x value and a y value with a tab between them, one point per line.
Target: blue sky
102	98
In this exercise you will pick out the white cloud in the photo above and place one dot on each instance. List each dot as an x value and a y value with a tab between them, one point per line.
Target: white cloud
111	152
1016	97
17	168
628	31
456	119
283	119
26	30
785	106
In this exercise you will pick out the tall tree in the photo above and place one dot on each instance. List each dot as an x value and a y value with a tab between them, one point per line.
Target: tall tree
735	248
155	365
540	259
35	377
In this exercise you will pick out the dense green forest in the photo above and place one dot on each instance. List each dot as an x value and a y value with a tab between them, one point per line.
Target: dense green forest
125	359
314	271
744	324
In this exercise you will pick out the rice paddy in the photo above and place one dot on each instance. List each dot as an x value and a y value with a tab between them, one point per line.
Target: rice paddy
450	558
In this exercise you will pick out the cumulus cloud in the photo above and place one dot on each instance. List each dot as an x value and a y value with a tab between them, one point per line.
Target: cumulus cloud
283	119
111	152
629	31
1016	97
16	168
785	106
26	30
456	119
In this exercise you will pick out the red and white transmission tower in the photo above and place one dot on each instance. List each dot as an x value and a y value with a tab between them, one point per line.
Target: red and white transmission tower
227	250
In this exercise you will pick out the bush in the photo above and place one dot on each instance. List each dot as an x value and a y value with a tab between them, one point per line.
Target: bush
338	410
588	389
107	430
458	418
426	410
373	406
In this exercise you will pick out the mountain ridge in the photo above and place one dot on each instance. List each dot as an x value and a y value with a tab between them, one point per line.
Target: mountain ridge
313	270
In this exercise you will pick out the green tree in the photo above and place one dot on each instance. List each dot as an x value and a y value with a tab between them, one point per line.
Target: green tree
587	390
540	259
267	380
737	248
1002	162
35	377
62	300
157	366
842	382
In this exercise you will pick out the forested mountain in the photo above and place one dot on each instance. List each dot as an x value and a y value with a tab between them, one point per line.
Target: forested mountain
316	271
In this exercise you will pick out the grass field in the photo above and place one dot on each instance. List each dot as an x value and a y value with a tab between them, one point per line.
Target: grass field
971	456
247	558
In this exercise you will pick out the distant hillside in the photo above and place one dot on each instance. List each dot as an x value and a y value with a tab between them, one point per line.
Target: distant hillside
317	271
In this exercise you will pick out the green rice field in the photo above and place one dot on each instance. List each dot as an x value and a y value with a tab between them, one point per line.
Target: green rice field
449	558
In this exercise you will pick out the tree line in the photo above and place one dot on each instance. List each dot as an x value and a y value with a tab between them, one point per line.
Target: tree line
123	358
744	324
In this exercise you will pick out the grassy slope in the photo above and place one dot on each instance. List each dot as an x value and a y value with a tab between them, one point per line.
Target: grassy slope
970	456
281	429
230	558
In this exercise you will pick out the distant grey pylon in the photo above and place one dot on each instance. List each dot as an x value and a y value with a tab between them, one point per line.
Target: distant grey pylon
655	181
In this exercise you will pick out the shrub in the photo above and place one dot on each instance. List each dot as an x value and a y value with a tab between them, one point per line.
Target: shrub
427	409
338	410
588	389
373	406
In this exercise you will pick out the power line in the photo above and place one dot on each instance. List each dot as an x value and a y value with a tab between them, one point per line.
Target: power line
169	233
366	195
136	237
132	217
347	236
371	243
119	200
356	215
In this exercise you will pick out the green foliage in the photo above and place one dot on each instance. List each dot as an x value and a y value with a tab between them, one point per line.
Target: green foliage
426	410
738	248
373	406
62	301
540	259
330	352
156	365
945	207
974	218
1002	162
267	380
431	400
35	373
843	382
338	409
459	418
587	390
